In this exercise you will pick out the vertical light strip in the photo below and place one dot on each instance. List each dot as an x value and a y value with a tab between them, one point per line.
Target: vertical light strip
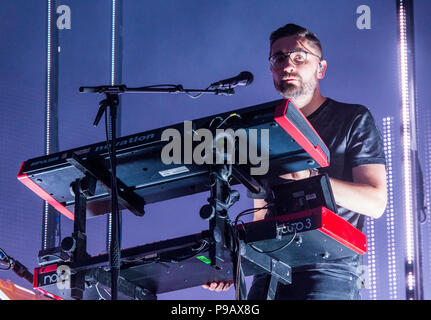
50	218
389	145
113	39
427	189
45	218
113	59
407	157
371	255
411	166
48	81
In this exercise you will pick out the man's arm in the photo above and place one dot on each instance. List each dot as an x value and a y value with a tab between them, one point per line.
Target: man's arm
367	193
259	215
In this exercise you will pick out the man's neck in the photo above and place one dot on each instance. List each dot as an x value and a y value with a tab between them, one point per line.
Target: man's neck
309	104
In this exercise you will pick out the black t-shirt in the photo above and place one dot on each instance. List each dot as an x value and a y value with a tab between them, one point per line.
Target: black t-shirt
351	135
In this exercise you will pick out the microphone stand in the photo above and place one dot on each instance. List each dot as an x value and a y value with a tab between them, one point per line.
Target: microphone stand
112	102
119	89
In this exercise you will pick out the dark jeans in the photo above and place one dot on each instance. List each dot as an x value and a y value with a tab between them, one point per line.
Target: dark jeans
310	285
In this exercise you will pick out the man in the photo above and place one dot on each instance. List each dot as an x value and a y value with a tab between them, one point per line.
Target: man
357	164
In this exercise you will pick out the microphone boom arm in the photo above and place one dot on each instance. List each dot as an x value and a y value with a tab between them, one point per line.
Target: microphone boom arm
120	89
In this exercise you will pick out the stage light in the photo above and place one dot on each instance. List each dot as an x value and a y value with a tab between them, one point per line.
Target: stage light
113	41
48	115
427	191
406	137
410	170
115	79
388	137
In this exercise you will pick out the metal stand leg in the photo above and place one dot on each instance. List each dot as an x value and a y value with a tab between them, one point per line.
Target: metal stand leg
272	288
80	188
222	198
277	270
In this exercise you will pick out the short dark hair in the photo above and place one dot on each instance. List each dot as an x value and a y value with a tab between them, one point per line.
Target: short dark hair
291	29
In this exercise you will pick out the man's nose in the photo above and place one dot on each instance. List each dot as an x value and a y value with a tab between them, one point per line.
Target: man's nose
288	65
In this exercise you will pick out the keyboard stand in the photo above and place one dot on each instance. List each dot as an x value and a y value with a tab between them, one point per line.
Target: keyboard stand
128	198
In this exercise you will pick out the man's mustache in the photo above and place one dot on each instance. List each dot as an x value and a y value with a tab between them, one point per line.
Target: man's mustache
291	76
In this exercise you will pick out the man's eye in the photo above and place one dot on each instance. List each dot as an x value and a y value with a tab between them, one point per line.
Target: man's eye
299	57
280	58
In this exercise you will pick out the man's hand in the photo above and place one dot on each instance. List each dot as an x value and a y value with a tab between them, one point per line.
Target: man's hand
218	286
297	175
259	203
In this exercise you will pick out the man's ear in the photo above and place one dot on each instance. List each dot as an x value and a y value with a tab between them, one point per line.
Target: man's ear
322	69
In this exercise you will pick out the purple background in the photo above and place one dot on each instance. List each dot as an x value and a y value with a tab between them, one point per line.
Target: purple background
186	42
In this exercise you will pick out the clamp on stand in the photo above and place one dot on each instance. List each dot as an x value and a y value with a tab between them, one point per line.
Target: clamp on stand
76	245
221	235
222	198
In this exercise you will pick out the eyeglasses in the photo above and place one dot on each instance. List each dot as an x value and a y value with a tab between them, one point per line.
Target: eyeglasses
297	57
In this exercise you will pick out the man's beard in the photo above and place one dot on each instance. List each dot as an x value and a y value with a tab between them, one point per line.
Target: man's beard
291	90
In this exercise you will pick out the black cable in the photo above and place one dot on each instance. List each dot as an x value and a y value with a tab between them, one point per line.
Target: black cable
239	280
238	272
197	251
162	85
159	259
178	87
248	211
277	249
194	96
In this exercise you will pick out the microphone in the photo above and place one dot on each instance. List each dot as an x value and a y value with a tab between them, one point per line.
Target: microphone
16	266
243	79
